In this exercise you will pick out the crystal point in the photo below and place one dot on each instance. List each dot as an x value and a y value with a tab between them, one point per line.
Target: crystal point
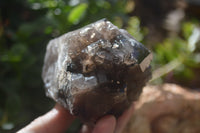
96	70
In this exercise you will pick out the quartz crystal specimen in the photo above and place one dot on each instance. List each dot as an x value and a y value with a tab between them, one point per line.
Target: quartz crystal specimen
96	70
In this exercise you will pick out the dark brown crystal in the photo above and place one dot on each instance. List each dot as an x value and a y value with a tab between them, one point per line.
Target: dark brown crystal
96	70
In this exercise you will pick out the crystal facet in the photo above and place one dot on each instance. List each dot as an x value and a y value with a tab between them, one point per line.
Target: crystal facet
96	70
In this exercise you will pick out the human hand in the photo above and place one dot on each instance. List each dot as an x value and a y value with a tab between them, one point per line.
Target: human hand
59	119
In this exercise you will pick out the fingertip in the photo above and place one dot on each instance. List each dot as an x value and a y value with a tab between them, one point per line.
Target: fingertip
63	113
124	118
105	125
56	120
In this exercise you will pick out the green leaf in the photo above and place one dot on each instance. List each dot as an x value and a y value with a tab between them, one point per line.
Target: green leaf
187	29
134	28
77	12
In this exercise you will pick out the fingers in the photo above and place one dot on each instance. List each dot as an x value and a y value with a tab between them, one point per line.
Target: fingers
109	124
105	125
123	120
55	121
58	120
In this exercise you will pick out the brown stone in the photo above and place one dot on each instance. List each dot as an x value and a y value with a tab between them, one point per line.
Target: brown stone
167	108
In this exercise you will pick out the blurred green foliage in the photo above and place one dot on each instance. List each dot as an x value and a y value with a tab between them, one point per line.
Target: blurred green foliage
135	29
181	49
27	26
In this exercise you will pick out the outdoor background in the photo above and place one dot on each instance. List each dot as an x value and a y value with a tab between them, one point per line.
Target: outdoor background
170	28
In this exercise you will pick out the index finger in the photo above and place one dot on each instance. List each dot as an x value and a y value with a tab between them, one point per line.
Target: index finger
55	121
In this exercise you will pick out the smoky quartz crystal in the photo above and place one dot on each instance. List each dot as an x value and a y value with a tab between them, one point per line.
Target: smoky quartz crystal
96	70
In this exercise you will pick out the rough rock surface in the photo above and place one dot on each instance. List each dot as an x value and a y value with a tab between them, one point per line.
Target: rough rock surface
96	70
168	108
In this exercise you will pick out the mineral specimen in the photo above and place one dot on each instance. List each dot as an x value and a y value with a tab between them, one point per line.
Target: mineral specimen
96	70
